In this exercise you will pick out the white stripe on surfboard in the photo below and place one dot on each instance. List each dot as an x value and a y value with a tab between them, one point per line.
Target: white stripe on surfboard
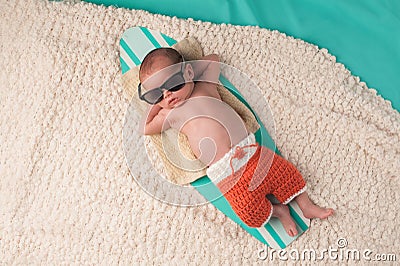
159	38
267	237
138	42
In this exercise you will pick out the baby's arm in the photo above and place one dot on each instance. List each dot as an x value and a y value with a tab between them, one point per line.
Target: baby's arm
207	69
154	122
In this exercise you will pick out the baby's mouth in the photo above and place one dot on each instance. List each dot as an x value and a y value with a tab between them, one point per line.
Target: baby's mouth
173	101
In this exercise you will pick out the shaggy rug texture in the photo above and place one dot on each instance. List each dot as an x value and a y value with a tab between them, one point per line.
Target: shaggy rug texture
66	193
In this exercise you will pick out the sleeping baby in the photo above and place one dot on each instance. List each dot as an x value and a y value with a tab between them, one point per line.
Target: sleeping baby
183	95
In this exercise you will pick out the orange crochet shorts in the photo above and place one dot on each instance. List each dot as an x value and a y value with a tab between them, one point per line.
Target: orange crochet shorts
265	173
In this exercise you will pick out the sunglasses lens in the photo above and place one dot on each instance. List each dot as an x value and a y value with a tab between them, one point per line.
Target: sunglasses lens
153	96
177	88
175	83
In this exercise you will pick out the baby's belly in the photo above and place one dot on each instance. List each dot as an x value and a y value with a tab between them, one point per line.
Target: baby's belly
210	140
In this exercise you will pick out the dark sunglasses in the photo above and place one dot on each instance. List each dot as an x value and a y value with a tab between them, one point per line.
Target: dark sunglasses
174	83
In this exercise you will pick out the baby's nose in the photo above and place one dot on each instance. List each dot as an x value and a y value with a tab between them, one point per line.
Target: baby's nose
166	93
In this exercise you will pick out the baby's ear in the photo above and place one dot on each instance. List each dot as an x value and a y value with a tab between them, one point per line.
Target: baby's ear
189	72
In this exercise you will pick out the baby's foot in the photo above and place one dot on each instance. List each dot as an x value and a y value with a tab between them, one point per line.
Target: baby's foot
314	211
282	213
310	210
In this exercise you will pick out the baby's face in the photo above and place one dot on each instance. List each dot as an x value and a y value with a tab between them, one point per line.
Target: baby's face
165	76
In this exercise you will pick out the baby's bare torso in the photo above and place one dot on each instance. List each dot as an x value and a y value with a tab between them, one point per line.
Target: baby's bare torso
212	126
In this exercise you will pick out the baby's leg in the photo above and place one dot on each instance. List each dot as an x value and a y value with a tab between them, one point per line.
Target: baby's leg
310	210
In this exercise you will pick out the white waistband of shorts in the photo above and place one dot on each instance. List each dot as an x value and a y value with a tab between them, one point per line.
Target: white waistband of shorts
221	169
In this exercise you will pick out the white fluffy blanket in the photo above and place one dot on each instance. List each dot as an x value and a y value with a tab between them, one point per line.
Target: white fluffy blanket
66	194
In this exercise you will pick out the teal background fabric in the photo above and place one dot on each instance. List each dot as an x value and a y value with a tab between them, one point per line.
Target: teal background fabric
364	35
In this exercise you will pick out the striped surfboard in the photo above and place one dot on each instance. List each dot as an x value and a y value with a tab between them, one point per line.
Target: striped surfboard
135	43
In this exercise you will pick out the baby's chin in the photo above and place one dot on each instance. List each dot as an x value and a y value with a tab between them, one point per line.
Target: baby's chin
179	103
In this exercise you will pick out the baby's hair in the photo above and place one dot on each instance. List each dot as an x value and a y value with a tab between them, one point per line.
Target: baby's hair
149	59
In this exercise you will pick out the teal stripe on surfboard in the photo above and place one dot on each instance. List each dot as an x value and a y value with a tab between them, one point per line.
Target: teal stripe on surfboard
135	44
124	66
169	40
128	56
275	235
150	37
